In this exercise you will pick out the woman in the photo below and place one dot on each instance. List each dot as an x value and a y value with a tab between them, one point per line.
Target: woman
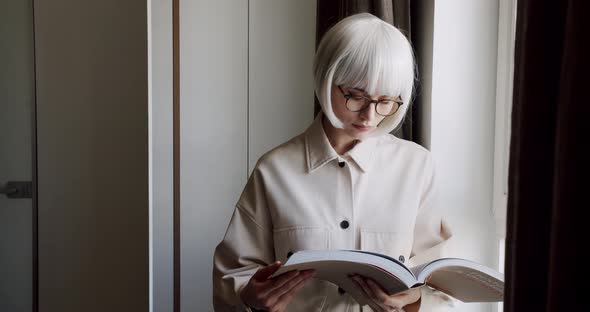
345	183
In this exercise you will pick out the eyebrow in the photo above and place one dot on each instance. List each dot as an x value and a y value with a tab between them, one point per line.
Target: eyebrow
392	98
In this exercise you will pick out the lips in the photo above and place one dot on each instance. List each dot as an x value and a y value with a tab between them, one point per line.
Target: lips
362	128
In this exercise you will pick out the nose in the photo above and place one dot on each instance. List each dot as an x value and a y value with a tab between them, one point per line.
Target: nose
369	113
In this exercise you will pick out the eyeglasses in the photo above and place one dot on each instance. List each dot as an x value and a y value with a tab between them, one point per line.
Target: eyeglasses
357	103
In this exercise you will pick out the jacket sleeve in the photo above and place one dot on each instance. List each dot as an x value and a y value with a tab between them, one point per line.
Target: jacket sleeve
431	237
246	246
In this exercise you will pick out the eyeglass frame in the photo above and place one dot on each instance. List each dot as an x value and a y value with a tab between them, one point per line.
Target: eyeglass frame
348	96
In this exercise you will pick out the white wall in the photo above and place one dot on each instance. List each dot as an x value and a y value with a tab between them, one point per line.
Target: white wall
281	50
245	87
504	86
213	134
462	123
161	155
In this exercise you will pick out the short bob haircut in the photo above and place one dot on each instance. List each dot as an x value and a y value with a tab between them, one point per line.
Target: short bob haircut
362	51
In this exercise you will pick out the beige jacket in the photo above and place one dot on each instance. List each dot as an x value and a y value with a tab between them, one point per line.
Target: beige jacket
299	197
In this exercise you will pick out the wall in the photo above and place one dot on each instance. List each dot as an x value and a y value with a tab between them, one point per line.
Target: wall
161	152
92	102
245	87
462	123
280	80
213	134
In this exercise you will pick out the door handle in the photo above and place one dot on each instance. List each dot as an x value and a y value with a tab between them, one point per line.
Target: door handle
17	190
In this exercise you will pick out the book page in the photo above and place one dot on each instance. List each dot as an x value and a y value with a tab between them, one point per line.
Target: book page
467	284
352	260
337	266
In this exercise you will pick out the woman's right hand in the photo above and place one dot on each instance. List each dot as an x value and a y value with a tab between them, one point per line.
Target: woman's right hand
273	294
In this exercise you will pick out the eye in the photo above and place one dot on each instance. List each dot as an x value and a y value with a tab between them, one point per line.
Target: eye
387	102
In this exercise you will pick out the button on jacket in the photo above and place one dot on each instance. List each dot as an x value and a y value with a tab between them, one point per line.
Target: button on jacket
379	196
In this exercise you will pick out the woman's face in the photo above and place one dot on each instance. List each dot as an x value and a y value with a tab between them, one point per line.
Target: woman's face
356	124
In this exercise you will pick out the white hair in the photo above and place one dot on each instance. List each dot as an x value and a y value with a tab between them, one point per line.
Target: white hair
362	51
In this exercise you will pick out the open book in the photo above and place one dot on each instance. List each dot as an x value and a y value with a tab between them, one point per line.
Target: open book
462	279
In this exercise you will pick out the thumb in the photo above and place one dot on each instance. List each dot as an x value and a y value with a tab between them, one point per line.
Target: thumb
264	273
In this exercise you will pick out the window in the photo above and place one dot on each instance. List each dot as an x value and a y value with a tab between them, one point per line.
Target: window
504	81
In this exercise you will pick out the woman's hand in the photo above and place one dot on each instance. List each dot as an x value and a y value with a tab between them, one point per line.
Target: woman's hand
273	294
380	301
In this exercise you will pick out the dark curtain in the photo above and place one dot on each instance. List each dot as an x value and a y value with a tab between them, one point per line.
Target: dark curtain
549	158
395	12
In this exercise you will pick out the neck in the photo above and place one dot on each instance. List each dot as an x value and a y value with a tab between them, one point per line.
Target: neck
340	141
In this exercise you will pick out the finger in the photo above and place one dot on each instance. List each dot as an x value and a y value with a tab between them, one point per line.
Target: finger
367	291
282	279
365	287
272	292
285	277
390	302
380	294
290	284
407	297
263	273
278	282
285	298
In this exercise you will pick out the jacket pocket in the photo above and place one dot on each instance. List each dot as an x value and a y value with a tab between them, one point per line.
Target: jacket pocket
397	245
290	240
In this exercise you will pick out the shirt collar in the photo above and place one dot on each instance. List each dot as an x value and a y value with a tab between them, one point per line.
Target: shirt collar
319	151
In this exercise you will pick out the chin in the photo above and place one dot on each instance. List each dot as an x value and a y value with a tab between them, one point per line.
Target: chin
356	134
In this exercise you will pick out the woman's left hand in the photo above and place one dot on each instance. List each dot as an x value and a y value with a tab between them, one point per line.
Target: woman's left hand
380	301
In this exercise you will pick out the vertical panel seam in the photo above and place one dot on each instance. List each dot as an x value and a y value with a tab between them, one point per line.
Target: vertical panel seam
176	157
